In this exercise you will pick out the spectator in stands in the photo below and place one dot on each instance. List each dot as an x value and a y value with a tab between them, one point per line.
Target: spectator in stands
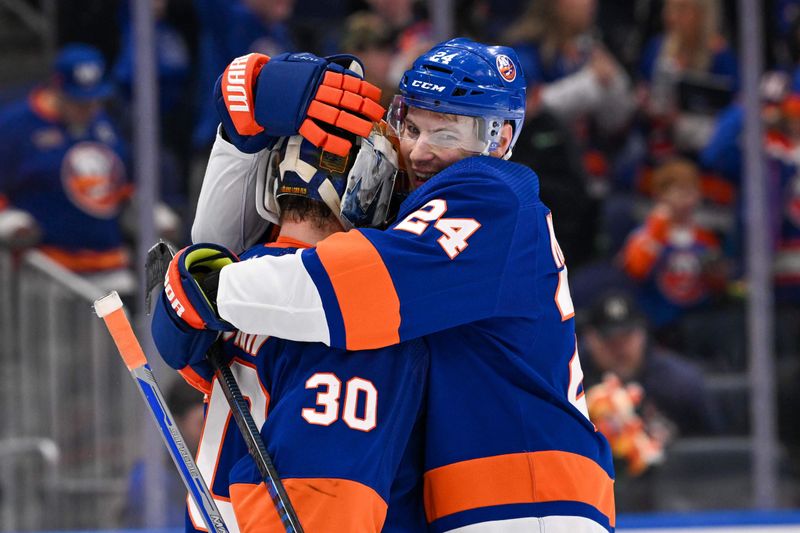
410	30
688	74
615	339
261	26
62	169
571	74
186	405
675	261
368	37
781	143
566	67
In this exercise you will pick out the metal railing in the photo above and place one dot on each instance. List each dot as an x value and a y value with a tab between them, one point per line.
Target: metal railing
70	417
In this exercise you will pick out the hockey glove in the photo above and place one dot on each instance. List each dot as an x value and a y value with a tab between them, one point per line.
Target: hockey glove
191	282
185	321
260	99
182	347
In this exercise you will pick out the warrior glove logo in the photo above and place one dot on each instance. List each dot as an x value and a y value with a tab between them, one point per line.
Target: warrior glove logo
173	301
238	82
236	93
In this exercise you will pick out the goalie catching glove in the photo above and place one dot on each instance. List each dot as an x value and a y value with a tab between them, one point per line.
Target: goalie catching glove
260	99
185	320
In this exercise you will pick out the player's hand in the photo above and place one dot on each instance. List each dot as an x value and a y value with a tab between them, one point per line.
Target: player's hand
18	229
260	98
185	321
191	283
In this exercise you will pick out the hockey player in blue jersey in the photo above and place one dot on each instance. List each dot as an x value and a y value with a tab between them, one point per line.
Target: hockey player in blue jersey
472	265
62	165
337	423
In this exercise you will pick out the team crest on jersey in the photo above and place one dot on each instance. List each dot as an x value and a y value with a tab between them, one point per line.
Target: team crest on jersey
506	67
93	177
680	281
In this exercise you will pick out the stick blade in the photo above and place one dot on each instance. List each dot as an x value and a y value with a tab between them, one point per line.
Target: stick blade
155	267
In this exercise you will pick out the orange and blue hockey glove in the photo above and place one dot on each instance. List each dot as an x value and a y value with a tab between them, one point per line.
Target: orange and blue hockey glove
185	321
260	99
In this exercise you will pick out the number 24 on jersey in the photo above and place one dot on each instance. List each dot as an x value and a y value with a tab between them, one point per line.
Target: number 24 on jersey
455	231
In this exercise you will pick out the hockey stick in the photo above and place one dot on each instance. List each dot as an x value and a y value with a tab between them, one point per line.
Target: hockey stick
158	259
110	309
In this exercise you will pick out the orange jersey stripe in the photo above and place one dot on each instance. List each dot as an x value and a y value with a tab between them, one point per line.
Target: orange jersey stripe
364	289
323	505
532	477
87	260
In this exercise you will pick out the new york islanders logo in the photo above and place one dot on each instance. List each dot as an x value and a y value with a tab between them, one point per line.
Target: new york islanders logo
506	68
93	178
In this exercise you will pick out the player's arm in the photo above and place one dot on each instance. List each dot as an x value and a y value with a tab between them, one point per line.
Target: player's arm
644	247
226	209
441	265
259	99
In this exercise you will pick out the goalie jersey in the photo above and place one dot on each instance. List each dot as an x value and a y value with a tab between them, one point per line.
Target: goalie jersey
342	429
473	266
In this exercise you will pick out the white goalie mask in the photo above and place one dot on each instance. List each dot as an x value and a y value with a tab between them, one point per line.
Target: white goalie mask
357	188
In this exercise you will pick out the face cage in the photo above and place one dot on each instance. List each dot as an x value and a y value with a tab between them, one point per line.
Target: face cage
486	131
368	190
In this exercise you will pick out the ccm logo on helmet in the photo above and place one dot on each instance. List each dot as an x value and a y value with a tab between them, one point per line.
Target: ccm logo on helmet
428	86
176	305
506	67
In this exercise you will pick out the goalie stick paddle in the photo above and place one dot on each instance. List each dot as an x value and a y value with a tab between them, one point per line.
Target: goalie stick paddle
110	309
158	259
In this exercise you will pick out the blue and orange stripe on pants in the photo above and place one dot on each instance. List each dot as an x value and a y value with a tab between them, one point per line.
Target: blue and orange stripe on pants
528	477
328	505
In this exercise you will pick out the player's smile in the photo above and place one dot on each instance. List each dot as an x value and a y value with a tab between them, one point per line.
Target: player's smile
431	142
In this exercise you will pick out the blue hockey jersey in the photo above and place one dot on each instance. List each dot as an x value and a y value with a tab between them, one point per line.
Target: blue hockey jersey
472	265
73	183
343	429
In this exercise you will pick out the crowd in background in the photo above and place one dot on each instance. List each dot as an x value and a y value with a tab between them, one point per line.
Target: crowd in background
633	126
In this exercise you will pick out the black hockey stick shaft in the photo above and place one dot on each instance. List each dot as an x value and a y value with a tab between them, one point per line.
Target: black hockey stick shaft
158	259
252	437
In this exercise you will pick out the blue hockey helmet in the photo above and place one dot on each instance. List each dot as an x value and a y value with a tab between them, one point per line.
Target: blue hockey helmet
356	188
464	77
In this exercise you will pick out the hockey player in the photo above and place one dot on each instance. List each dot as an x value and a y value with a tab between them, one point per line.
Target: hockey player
338	424
62	170
472	265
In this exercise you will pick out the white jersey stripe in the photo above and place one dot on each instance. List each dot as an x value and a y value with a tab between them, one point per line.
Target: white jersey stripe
546	524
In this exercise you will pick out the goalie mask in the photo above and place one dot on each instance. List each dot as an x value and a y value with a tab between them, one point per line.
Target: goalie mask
356	188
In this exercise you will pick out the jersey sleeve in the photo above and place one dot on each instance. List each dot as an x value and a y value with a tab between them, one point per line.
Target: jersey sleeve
226	209
440	266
